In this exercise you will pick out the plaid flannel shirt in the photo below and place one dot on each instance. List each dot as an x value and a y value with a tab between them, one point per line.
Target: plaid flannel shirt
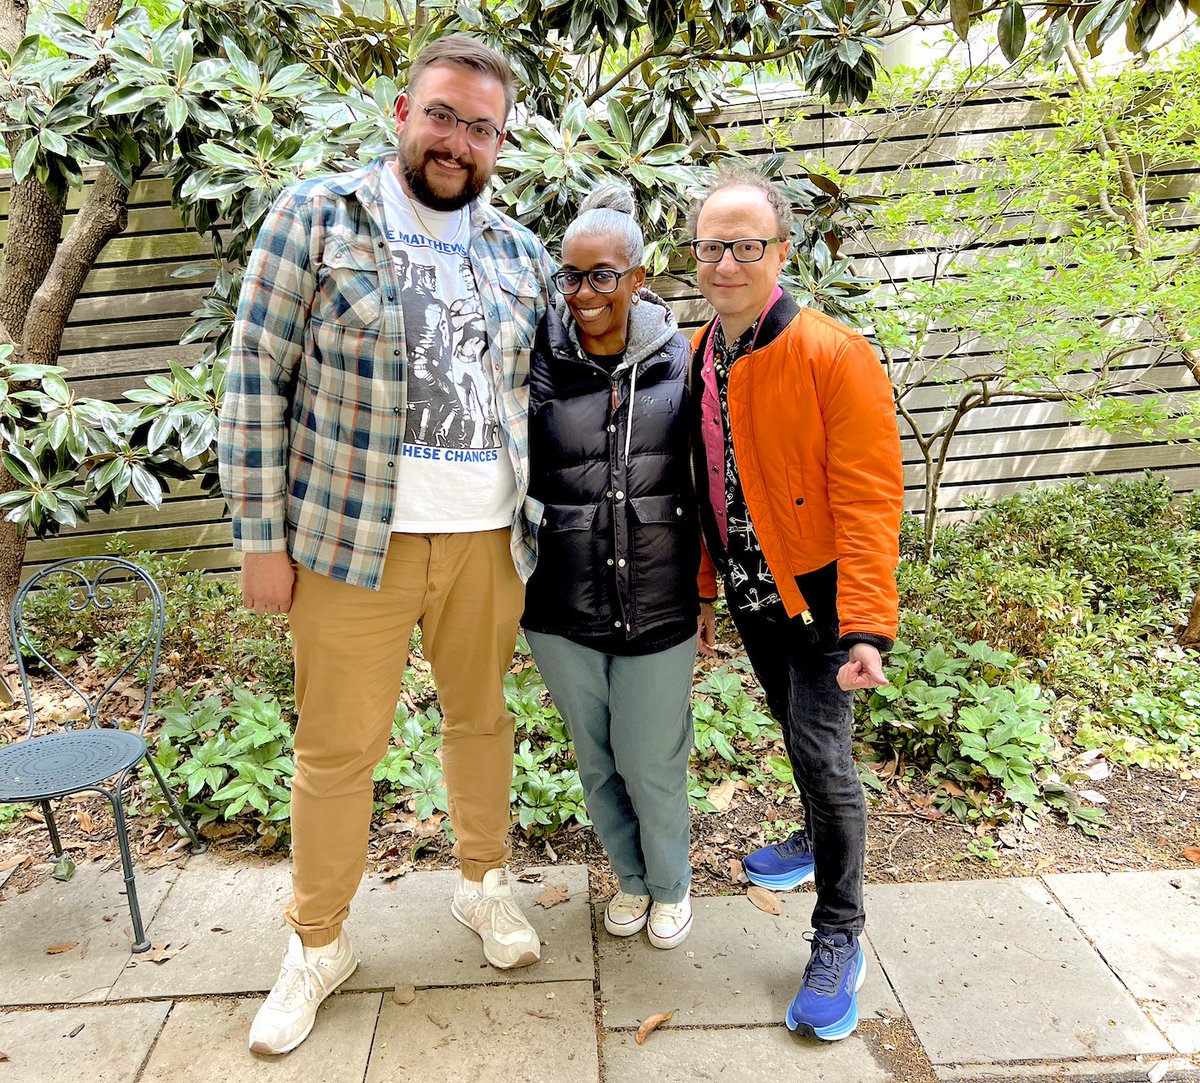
315	401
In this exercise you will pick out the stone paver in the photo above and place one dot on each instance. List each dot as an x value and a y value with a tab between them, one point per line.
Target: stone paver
335	1052
738	966
1147	927
404	932
230	916
992	971
493	1034
100	1044
89	910
1116	1070
761	1053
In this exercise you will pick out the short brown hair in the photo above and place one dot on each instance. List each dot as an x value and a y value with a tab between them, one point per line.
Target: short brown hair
736	176
463	51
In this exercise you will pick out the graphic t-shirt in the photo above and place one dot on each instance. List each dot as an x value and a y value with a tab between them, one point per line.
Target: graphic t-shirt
454	472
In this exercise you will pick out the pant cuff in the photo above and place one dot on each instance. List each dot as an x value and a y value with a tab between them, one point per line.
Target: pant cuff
474	870
319	938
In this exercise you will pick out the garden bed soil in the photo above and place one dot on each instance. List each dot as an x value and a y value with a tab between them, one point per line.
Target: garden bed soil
1151	814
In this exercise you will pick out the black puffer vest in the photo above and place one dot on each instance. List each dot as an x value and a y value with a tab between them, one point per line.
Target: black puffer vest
618	541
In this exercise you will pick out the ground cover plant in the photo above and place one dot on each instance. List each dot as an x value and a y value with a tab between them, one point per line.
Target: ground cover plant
1039	641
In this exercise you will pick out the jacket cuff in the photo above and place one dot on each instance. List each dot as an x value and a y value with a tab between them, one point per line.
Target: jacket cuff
881	643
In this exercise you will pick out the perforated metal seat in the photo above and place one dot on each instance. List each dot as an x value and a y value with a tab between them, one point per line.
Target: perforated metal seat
56	764
88	753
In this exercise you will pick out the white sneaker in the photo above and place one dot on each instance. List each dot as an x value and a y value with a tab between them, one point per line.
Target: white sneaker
669	923
625	914
305	979
509	941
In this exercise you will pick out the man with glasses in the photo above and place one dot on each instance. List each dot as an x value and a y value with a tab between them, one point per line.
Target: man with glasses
797	461
370	494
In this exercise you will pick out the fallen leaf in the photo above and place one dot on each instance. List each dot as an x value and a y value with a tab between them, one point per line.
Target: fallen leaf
765	900
1192	853
552	895
33	814
952	788
404	993
394	874
58	949
721	795
653	1022
1094	796
541	1015
3	1055
735	871
75	1032
13	862
1098	771
162	953
84	819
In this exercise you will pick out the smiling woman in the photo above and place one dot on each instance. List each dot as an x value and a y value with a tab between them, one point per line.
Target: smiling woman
611	609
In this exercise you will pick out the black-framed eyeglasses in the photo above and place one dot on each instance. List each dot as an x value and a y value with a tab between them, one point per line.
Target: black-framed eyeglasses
744	249
602	280
481	134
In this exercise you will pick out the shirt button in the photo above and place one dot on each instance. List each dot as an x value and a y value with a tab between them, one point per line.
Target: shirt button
616	624
391	465
612	428
620	563
609	493
395	353
609	562
395	409
714	469
620	495
679	511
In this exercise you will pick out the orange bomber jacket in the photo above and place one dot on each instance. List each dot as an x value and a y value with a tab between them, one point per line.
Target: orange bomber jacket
813	424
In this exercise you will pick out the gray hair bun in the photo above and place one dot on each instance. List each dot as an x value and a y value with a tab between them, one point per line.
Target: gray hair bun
610	196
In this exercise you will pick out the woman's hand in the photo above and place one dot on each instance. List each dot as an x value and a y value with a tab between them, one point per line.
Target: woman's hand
706	630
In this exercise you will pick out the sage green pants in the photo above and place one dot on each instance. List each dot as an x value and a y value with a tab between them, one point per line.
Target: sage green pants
630	718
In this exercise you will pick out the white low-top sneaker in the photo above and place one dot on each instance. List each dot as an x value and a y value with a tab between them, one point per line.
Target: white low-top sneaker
307	977
669	923
625	914
509	941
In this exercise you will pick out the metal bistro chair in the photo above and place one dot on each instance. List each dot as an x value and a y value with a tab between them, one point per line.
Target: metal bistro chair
39	769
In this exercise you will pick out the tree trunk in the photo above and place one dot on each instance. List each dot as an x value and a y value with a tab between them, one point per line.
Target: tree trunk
1191	634
12	557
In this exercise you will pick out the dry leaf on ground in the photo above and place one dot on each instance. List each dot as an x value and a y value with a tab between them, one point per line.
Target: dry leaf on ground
652	1022
404	993
84	819
721	795
765	900
58	949
1192	853
162	953
736	873
3	1055
13	862
552	895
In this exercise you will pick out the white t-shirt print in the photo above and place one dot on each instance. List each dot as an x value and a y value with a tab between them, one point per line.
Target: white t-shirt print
454	472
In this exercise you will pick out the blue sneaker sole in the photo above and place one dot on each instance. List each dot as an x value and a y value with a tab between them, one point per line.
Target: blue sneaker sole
780	881
842	1028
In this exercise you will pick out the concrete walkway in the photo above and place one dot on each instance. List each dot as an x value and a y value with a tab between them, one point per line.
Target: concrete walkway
1079	977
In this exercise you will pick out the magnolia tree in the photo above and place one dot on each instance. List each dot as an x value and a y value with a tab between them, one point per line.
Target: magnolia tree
231	101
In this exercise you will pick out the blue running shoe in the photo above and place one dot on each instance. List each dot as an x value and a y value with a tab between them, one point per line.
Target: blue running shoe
782	865
827	1004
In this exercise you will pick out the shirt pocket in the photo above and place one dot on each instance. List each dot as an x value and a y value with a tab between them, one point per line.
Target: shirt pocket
518	292
348	288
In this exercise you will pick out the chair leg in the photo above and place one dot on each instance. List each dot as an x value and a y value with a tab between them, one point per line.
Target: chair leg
199	846
140	941
52	827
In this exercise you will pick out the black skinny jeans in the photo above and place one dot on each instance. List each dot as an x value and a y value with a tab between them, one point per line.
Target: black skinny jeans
799	678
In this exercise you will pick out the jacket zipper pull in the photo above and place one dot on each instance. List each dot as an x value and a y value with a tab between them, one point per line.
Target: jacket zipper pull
613	392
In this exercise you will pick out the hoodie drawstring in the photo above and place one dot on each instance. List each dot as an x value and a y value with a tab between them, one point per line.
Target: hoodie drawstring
629	417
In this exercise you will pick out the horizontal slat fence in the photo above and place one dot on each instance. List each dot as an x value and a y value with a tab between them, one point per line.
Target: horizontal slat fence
128	321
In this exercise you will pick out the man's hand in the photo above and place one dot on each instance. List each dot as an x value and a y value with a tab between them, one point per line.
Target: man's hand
706	630
267	580
864	670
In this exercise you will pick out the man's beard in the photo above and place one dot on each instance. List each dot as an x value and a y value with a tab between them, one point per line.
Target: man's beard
412	170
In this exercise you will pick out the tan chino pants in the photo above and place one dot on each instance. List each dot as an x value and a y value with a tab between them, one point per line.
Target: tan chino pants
351	648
